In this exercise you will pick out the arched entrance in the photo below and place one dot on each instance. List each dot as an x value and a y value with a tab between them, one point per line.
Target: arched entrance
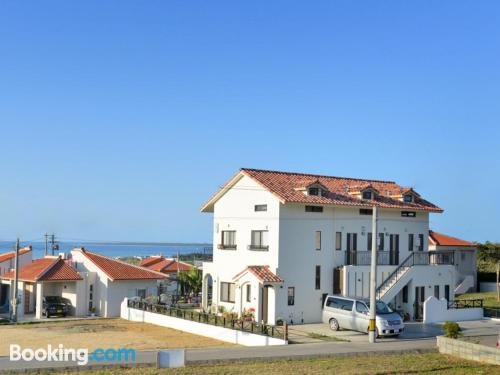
207	291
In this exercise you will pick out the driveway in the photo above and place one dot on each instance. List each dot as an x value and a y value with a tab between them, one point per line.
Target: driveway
307	333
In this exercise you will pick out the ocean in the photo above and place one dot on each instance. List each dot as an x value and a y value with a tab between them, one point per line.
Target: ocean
115	249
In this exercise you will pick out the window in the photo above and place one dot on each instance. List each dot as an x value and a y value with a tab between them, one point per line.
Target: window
227	292
420	242
447	292
361	308
410	242
228	239
405	294
381	241
314	209
291	296
339	303
436	291
369	241
352	241
365	211
367	195
317	278
408	213
407	198
338	241
314	191
249	292
141	293
318	240
260	207
259	240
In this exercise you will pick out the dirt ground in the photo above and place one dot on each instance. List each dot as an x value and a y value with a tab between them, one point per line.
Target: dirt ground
100	333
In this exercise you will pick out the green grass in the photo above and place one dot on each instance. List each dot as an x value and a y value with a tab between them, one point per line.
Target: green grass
489	299
428	363
326	338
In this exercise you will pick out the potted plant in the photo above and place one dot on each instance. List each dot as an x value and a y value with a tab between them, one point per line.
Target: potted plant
92	311
248	314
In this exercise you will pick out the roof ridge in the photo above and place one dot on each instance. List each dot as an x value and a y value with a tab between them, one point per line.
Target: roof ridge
317	175
48	268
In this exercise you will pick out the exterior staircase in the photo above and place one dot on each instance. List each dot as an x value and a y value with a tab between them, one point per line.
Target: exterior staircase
400	277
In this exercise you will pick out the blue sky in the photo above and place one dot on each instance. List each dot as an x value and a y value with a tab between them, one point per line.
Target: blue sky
118	119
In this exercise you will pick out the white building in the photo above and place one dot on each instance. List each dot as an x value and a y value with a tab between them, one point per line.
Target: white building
93	283
283	241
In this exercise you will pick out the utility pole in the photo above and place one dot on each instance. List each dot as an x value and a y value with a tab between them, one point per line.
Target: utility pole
53	243
46	244
372	326
498	281
16	280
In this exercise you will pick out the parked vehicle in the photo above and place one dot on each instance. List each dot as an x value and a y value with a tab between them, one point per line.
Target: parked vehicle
353	313
56	306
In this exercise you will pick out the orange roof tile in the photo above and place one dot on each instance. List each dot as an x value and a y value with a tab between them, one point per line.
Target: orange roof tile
167	265
150	261
286	187
440	239
45	269
12	254
118	270
263	273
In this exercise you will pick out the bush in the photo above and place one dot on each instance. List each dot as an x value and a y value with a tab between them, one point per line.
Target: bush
452	330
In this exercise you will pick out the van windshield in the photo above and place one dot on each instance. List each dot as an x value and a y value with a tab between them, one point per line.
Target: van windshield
381	308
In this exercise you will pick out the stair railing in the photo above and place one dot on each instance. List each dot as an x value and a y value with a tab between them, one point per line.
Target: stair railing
420	258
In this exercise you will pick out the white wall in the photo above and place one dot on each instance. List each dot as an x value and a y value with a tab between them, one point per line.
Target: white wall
437	311
207	330
120	289
235	211
487	287
9	264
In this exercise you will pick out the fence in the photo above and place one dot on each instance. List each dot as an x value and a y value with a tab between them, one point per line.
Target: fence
465	303
279	332
492	313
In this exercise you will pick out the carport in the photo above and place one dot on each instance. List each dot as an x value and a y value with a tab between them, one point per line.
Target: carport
49	276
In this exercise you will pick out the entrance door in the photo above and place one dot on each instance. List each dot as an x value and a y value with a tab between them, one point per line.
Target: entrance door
264	304
27	297
419	302
394	249
337	280
352	246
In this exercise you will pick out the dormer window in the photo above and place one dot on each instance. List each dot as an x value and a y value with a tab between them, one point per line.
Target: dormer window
408	198
367	195
314	191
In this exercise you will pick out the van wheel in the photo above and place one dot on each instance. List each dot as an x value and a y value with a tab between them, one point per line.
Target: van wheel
334	325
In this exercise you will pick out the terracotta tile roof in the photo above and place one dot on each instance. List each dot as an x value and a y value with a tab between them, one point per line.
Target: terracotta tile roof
167	265
12	254
61	271
440	239
45	269
288	187
263	273
118	270
150	261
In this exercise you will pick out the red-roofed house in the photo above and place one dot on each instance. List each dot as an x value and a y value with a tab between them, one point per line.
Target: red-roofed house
49	276
464	254
168	266
108	281
6	265
284	241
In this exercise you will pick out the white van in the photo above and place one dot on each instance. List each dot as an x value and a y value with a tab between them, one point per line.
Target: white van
353	313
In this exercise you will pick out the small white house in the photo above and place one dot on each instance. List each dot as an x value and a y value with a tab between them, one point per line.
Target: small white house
90	281
284	241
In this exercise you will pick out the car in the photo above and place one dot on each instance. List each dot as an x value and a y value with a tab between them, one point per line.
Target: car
56	306
353	313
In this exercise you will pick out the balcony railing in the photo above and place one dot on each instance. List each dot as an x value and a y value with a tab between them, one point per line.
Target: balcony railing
258	247
364	258
391	257
223	246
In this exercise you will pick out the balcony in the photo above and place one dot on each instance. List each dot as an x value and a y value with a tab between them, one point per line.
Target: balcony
391	258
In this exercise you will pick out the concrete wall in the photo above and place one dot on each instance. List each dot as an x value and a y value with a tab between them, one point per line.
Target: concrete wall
468	350
207	330
437	311
120	289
